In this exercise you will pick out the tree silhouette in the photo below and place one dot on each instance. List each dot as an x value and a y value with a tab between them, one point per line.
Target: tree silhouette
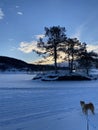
71	48
55	42
55	36
87	59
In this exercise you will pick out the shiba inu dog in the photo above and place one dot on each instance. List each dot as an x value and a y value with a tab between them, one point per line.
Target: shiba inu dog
86	107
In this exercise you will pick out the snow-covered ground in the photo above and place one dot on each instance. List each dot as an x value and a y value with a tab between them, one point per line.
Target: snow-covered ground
36	105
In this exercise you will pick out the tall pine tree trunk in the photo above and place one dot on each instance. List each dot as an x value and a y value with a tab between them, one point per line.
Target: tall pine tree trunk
71	64
55	58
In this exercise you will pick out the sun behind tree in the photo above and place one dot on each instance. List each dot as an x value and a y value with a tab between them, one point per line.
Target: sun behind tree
55	36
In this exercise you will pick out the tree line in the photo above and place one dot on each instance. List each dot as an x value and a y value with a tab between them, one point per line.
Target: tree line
75	53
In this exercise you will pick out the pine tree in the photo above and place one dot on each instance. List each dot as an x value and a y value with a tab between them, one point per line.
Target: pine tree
55	36
87	59
72	50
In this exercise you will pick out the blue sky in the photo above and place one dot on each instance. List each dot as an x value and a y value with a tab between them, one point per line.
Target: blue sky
23	21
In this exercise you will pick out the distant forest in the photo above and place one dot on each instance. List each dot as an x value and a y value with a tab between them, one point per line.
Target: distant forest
12	64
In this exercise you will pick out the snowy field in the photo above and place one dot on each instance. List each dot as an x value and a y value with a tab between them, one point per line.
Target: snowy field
36	105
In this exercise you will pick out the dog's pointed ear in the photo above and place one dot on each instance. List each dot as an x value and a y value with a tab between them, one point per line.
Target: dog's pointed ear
82	101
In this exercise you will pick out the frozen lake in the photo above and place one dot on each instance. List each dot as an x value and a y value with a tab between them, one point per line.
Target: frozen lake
36	105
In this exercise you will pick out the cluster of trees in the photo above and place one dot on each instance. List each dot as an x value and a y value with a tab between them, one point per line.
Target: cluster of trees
75	53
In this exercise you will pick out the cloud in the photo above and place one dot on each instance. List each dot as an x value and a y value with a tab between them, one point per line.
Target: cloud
79	31
39	36
44	61
17	6
92	48
77	34
49	60
1	14
82	30
28	47
19	13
